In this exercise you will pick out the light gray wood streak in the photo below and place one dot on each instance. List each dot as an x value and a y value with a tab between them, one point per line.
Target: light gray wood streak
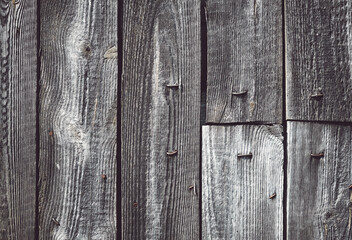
236	190
319	201
18	73
161	47
318	59
78	101
244	54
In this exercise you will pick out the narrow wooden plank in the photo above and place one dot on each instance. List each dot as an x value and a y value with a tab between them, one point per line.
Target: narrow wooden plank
160	114
78	100
319	54
18	71
319	201
242	195
245	61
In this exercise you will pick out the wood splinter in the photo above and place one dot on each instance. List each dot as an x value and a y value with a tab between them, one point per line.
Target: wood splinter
317	155
239	93
171	153
55	221
272	196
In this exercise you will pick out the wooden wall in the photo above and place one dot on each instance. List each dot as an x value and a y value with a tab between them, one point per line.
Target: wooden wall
175	119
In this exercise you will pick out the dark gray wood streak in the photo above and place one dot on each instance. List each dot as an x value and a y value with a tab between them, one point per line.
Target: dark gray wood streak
318	60
18	72
78	101
245	54
319	201
236	202
161	42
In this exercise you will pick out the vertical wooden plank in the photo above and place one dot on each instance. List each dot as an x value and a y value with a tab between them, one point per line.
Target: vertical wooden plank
319	53
319	201
242	195
160	114
78	101
244	61
18	71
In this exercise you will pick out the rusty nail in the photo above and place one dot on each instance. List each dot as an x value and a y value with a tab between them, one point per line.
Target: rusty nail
103	176
272	196
55	221
239	93
135	204
317	155
51	133
171	153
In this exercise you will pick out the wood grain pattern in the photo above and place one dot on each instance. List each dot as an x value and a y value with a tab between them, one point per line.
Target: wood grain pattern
161	49
319	54
238	200
78	100
245	54
18	72
319	201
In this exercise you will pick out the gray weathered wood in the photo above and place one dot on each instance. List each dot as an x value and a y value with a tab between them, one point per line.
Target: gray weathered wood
18	72
161	49
236	202
78	101
319	201
318	60
244	54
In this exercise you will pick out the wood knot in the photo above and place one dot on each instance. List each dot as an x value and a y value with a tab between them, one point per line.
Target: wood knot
111	53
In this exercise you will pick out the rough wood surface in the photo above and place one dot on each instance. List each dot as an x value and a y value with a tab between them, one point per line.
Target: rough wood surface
242	196
319	201
78	101
318	60
161	49
244	56
18	72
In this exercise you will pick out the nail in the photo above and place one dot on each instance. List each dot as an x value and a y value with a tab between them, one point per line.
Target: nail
191	187
51	133
239	93
55	221
317	155
172	86
135	204
250	155
318	95
171	153
350	187
103	176
272	196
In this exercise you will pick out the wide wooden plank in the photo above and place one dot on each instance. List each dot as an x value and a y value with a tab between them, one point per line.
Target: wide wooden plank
319	55
242	182
78	101
319	196
245	61
18	72
160	115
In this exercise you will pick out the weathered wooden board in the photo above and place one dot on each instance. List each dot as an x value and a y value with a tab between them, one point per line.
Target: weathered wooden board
318	60
78	101
18	72
237	192
245	61
319	201
160	114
